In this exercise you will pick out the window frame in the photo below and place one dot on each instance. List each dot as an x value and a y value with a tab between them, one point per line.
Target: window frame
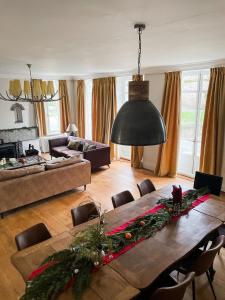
197	138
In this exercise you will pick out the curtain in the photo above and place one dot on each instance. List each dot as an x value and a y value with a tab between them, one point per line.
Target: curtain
40	114
214	124
80	111
137	151
104	110
167	156
41	119
64	105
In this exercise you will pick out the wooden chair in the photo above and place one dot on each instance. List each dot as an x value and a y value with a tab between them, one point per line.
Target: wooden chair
202	262
173	292
122	198
146	187
84	213
214	183
31	236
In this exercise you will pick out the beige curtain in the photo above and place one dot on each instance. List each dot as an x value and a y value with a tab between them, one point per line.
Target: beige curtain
104	110
137	151
167	156
214	124
80	110
64	105
40	114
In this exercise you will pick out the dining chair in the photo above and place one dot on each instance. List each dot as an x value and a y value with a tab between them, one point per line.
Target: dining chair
146	187
122	198
214	183
31	236
84	213
201	262
173	292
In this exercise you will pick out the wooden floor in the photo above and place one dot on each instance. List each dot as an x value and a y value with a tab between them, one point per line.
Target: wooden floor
55	212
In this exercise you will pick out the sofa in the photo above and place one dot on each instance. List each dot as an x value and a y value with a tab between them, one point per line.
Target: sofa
31	184
98	156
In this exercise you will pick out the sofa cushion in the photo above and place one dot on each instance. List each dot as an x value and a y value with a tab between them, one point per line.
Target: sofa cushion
73	144
85	147
71	153
92	147
59	149
10	174
69	161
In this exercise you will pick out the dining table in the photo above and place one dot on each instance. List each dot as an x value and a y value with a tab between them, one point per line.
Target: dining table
137	269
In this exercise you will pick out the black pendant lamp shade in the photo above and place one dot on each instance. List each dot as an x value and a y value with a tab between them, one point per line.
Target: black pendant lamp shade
138	122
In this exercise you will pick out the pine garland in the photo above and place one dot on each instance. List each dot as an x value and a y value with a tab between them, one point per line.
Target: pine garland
73	267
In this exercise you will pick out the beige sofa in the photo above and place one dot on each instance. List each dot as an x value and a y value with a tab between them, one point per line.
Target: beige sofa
27	189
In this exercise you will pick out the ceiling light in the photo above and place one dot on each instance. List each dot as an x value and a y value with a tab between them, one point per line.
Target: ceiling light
138	122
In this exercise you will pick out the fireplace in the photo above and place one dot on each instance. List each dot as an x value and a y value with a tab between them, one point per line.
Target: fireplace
8	150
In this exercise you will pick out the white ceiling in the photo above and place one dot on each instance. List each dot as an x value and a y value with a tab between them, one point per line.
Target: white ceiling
80	37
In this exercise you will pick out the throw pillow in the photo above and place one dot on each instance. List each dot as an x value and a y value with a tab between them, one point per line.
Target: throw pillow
81	147
92	147
15	173
73	144
85	148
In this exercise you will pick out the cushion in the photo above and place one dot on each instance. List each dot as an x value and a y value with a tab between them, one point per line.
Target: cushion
86	145
56	160
66	162
10	174
73	145
92	147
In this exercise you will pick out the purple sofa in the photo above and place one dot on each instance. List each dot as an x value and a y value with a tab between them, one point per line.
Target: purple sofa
98	157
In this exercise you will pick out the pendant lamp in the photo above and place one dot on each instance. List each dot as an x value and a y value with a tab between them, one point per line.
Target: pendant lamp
138	122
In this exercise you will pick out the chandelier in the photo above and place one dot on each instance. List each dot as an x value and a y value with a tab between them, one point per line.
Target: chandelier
34	90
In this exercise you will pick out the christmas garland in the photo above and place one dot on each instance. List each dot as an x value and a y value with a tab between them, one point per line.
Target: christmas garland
92	248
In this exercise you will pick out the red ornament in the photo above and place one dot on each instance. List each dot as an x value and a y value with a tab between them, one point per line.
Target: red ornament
142	223
128	235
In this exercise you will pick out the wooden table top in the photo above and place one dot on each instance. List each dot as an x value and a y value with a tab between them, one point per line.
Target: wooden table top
140	266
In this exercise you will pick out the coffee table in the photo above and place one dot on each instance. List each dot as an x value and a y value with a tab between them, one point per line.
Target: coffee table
23	162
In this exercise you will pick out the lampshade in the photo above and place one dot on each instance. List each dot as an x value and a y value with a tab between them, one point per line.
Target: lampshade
71	128
37	88
138	122
16	87
26	88
44	88
11	83
50	88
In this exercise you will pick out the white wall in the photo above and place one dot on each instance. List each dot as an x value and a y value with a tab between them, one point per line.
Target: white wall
7	117
156	89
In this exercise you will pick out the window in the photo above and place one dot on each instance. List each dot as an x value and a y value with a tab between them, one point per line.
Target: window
52	114
88	109
193	98
122	97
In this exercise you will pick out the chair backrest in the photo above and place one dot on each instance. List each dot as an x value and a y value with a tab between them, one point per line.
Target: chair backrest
145	187
175	292
31	236
214	183
122	198
205	260
84	213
